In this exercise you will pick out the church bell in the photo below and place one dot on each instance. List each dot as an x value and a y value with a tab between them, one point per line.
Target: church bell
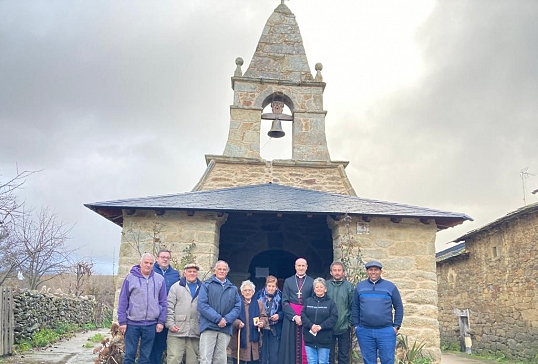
276	129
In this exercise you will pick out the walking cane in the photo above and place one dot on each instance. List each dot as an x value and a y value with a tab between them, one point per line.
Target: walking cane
238	345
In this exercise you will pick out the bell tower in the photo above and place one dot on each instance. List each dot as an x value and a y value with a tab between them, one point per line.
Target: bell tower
278	72
278	75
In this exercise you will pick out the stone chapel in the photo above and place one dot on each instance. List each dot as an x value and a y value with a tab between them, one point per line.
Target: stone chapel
261	215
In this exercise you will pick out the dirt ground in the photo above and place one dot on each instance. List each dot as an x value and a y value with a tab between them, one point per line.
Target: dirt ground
72	352
69	351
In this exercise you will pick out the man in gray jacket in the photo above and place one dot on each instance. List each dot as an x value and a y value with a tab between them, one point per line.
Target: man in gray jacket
182	319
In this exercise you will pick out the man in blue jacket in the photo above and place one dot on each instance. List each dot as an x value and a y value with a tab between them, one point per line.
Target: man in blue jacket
162	266
371	314
141	309
219	305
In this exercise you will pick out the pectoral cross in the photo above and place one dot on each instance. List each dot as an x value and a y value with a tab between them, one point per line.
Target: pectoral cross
299	294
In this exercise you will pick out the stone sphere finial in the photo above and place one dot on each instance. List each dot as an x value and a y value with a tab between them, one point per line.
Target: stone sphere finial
239	62
318	68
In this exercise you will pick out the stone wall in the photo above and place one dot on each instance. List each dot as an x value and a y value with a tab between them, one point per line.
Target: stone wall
36	310
179	232
407	251
225	172
497	281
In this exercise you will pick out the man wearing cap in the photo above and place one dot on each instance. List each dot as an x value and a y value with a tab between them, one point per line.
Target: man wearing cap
182	319
372	315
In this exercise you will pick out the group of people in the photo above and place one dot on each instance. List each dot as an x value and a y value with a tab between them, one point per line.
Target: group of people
308	322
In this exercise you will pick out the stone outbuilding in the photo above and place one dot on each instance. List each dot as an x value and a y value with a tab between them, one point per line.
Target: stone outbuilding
261	215
492	276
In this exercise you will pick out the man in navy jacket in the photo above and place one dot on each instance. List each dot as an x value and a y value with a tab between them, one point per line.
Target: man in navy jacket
219	305
372	315
162	266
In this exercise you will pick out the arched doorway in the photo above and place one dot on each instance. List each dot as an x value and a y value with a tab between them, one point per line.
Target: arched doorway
278	263
275	241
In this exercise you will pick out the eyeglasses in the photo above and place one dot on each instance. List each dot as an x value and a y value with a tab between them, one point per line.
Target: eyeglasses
160	256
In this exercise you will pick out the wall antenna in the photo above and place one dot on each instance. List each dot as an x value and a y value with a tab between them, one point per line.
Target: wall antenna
524	174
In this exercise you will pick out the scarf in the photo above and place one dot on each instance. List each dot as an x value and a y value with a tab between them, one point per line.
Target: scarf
271	306
253	311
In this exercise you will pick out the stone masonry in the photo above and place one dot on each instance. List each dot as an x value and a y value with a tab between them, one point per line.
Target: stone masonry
407	251
496	279
279	68
223	172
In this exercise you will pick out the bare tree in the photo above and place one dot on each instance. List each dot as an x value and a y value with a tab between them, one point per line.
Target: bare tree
43	243
83	270
11	209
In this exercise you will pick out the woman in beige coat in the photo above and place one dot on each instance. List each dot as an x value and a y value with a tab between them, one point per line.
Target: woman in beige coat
183	319
250	321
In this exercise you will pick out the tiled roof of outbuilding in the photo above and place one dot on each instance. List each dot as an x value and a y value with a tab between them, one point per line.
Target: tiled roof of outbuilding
277	198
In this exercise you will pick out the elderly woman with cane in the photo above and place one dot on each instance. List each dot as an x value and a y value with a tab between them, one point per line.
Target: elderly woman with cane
246	337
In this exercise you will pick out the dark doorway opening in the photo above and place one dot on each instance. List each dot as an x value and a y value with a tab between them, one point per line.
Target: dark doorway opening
278	263
275	241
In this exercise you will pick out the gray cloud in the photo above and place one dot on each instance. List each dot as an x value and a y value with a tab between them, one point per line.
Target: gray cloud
123	99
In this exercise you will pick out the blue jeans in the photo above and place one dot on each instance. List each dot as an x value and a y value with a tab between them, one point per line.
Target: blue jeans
377	341
159	347
146	335
317	355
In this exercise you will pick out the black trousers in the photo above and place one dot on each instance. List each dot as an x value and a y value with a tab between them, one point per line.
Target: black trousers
343	342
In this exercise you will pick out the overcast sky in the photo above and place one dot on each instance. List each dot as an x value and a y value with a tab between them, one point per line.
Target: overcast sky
434	104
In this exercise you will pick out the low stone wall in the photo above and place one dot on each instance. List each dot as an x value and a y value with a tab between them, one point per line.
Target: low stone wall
36	310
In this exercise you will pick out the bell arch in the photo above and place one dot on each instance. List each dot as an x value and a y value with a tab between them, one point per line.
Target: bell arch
276	128
275	96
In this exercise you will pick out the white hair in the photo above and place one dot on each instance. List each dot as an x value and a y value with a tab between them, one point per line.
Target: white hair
248	283
147	255
221	261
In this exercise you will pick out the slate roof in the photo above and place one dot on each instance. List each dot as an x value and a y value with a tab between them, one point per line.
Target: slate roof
509	216
453	251
274	198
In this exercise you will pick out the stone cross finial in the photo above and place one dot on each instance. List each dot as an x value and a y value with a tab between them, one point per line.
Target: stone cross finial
282	1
